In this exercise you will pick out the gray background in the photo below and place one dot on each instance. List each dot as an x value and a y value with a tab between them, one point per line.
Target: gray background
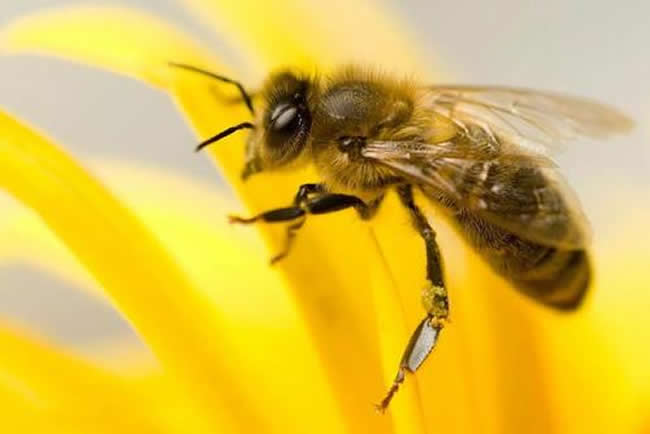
591	48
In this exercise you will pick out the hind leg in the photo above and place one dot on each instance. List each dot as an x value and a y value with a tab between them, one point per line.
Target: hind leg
434	301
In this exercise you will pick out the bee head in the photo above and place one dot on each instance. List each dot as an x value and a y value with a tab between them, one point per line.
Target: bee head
286	124
281	130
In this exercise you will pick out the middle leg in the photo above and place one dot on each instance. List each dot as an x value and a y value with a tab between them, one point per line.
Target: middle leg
310	199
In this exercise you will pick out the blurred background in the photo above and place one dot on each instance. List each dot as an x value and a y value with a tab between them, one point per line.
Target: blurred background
592	48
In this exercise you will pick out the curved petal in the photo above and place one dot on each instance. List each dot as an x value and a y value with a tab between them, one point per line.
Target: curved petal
462	375
22	416
608	374
507	362
49	391
148	287
67	393
259	318
25	239
315	34
105	43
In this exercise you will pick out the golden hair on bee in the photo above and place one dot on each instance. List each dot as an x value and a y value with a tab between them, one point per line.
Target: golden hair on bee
356	105
320	120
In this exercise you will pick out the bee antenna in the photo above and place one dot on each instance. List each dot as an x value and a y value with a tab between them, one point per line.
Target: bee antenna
224	133
245	96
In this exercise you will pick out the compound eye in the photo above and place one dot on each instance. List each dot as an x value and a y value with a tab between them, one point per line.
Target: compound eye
287	129
284	118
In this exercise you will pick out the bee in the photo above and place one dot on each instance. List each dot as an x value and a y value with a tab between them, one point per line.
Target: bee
484	155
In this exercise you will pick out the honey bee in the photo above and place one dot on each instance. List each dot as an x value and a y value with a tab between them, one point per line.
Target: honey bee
482	154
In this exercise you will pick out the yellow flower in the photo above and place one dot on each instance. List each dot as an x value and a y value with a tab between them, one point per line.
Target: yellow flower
310	346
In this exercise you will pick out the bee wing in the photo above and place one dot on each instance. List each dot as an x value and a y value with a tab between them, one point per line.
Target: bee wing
525	196
534	122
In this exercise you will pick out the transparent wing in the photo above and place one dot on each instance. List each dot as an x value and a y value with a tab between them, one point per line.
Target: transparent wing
498	163
527	197
529	121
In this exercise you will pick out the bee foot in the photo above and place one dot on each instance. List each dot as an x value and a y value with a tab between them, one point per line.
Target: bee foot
233	219
399	379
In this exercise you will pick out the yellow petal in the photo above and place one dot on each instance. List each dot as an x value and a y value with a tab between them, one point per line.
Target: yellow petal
25	239
315	34
81	399
503	361
459	379
20	412
49	391
97	36
607	378
21	416
144	282
66	393
190	220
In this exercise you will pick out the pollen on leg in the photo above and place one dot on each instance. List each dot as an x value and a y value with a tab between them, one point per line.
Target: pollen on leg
434	301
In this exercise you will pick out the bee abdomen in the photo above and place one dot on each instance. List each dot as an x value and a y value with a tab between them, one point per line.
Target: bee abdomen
553	276
560	279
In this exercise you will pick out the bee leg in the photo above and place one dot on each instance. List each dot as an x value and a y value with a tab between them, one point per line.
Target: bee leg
421	224
310	199
284	214
303	193
292	230
422	341
434	300
305	190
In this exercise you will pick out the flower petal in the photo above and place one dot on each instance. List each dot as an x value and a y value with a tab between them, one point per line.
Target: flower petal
601	357
82	398
258	319
19	415
457	379
65	392
315	33
231	267
504	361
148	287
106	42
26	240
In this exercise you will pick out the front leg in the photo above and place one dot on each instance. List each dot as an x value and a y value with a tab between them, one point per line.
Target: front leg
434	300
310	199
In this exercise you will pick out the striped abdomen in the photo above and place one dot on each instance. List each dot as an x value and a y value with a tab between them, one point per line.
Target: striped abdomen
553	276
